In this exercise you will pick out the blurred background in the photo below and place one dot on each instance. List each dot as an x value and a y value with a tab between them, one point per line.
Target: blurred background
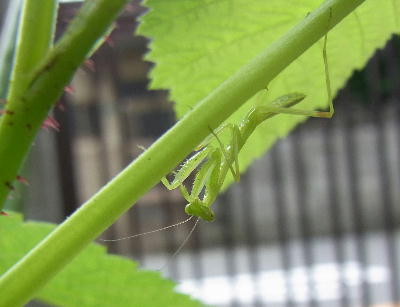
313	223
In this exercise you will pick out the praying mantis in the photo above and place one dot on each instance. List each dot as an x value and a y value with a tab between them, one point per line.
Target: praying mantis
214	163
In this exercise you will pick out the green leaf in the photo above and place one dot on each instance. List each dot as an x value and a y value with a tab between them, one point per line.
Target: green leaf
196	45
94	278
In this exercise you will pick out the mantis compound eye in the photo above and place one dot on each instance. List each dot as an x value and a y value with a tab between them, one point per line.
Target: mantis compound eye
198	209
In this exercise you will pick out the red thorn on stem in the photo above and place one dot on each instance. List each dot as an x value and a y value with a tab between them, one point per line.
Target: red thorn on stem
50	122
22	180
3	213
109	41
89	63
68	89
60	105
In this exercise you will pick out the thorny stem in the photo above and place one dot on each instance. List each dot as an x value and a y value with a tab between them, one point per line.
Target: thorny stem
34	41
35	88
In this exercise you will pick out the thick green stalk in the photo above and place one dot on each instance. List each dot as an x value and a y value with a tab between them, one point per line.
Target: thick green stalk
35	88
20	283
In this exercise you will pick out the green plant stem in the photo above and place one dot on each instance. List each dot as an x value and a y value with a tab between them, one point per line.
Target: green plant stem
19	284
34	41
35	88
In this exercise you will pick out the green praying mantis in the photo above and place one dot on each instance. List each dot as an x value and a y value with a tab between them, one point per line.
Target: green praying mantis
213	163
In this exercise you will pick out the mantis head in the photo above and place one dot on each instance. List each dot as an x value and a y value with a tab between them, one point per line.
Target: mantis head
197	208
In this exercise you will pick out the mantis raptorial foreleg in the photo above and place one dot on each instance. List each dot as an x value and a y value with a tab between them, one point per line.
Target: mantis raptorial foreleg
187	168
206	175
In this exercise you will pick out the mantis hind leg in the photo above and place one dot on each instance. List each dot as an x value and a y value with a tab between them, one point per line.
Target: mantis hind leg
213	133
209	172
278	106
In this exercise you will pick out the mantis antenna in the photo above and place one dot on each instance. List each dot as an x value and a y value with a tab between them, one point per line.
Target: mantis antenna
148	232
178	250
157	230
